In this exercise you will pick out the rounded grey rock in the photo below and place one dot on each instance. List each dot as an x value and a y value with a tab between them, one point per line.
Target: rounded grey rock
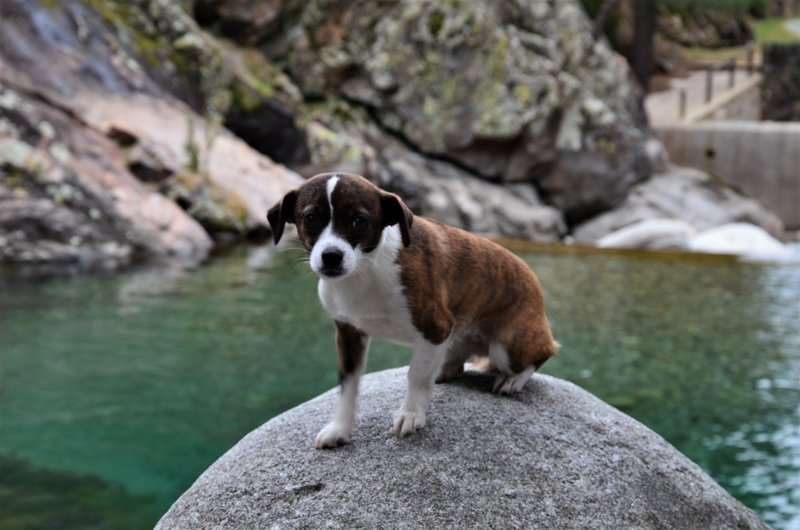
553	456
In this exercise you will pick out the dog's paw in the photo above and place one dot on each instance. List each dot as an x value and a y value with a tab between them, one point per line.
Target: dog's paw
507	384
332	435
408	422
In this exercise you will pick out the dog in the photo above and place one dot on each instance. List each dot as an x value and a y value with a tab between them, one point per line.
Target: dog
386	273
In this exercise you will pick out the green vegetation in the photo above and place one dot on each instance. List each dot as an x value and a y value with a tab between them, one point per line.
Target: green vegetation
435	22
754	7
773	30
767	30
711	56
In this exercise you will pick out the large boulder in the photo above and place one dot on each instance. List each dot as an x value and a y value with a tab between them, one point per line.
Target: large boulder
512	91
504	118
553	456
431	187
115	70
66	195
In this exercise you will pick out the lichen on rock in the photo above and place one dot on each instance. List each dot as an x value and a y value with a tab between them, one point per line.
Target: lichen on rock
59	202
343	138
504	89
112	70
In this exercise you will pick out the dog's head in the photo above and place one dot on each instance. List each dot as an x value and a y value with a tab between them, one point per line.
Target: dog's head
340	217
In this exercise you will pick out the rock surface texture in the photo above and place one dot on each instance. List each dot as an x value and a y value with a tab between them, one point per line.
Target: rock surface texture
100	160
66	195
512	91
681	194
552	457
504	118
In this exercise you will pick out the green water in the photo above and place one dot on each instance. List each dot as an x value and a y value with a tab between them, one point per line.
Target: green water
118	390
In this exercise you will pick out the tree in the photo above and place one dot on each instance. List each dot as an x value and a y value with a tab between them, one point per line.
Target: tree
645	15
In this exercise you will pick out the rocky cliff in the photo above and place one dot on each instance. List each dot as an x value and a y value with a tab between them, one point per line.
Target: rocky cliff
155	127
99	158
552	457
512	91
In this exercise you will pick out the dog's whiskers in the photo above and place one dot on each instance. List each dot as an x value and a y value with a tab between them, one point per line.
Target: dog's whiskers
301	265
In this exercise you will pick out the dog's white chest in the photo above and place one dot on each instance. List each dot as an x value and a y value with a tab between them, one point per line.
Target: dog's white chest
372	299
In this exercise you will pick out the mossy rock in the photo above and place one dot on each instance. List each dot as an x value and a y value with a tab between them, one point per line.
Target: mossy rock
215	209
498	87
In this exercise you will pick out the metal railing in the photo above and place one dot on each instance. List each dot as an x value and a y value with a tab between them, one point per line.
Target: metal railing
727	65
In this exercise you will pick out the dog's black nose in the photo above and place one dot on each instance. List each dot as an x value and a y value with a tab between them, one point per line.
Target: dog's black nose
332	258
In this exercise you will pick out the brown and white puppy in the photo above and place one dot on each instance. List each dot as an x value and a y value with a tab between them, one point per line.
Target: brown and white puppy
386	273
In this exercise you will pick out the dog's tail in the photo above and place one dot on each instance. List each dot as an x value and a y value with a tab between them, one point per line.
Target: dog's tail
551	352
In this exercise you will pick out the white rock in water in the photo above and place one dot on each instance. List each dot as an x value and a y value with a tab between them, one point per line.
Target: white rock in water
655	234
741	239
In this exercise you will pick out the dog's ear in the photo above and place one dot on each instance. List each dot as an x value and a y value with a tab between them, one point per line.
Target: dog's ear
282	213
395	212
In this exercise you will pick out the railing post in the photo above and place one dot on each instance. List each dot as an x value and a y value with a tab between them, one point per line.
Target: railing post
682	103
732	77
750	58
709	84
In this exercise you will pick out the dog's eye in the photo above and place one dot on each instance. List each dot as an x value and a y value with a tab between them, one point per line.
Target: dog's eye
310	219
360	222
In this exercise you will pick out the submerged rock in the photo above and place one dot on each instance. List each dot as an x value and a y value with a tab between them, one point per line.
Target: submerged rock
554	456
744	240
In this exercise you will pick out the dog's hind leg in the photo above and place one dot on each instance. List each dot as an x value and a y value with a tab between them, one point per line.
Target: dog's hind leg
526	353
352	345
458	353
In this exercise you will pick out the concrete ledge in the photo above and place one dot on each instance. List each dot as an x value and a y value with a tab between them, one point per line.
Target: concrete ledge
552	457
760	158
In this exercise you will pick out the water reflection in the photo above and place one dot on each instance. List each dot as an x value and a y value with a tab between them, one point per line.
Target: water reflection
142	379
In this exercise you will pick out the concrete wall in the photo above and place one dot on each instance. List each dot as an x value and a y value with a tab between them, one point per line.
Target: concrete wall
760	158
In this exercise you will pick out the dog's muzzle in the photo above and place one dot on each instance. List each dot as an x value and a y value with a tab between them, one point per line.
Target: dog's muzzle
332	262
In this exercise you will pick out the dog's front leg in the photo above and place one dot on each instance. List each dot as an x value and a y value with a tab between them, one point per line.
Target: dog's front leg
426	361
352	345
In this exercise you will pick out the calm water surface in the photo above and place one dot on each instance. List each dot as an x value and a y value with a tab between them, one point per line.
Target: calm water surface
117	391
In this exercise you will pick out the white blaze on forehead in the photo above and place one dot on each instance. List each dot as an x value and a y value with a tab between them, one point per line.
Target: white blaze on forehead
328	240
331	184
